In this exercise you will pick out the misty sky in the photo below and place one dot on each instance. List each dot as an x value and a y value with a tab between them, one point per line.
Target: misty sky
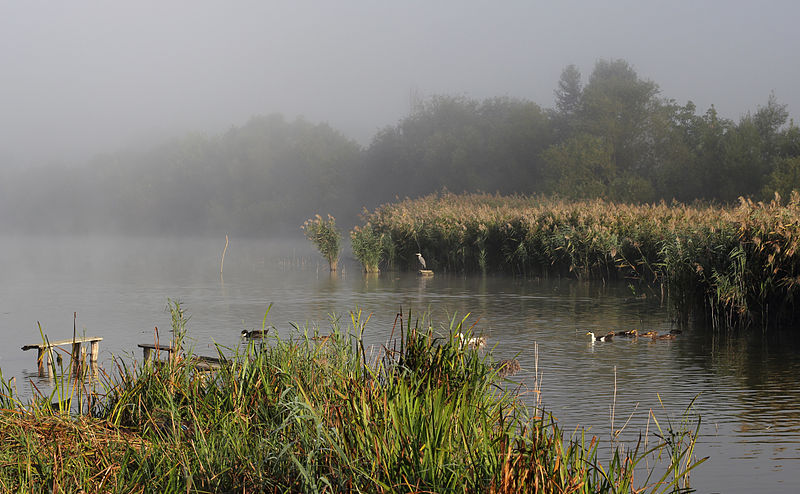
85	77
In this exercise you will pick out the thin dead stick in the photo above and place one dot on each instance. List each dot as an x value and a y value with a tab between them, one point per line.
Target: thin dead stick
222	262
614	406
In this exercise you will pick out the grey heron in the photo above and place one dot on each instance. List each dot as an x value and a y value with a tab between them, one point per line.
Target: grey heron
421	260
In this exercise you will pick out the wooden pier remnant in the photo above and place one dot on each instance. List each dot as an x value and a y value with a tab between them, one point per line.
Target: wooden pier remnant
426	272
201	363
149	348
45	348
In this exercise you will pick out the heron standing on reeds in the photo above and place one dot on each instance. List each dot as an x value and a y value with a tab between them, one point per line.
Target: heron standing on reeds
421	260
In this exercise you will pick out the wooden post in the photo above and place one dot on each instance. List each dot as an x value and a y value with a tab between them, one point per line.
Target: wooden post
95	350
40	356
76	356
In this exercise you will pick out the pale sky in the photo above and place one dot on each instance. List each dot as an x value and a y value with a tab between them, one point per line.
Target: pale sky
84	77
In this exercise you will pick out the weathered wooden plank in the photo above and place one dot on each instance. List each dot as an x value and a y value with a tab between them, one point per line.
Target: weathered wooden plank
147	348
153	346
83	339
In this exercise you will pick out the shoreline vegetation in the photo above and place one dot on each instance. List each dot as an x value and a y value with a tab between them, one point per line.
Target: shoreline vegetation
318	414
732	266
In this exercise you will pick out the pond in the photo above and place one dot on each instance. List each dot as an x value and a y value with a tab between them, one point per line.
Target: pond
744	387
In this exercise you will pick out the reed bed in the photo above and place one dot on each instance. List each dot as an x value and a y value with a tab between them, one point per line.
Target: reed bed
735	266
312	414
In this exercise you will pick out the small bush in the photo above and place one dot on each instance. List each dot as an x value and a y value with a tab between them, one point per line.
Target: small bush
367	247
325	236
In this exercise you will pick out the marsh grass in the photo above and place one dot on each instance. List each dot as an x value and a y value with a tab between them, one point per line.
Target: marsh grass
307	414
326	238
367	247
734	266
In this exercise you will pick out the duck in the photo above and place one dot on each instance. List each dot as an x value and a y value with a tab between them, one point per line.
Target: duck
256	333
667	336
632	333
649	334
605	337
474	343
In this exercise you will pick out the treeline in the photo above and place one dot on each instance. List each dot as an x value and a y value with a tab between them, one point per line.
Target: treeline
249	180
612	136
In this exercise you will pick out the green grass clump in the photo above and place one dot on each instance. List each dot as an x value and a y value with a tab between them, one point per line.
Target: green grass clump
310	414
325	237
367	246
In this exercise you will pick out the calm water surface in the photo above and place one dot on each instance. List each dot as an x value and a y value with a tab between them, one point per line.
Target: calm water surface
744	387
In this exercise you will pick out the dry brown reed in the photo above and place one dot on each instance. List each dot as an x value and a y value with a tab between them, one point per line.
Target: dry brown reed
736	265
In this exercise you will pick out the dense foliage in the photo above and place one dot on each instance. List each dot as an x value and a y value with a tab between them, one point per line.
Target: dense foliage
612	136
737	266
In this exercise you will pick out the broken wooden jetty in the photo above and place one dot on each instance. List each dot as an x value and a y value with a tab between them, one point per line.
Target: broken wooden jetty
152	350
148	349
45	348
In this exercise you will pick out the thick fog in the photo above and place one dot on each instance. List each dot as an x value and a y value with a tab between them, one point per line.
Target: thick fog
81	78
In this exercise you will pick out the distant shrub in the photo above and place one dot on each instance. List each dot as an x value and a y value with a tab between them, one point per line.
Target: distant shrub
324	235
367	247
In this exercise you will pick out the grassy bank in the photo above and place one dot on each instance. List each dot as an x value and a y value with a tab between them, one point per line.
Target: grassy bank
736	266
311	414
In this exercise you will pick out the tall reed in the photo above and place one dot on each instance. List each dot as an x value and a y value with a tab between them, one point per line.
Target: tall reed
367	246
326	237
735	266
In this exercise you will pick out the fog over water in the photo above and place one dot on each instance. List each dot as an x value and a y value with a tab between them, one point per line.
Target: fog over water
80	78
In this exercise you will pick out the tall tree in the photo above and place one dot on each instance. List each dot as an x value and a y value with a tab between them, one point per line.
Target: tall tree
569	91
617	105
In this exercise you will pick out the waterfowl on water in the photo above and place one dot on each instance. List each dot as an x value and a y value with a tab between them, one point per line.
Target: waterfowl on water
474	343
632	333
605	337
256	333
654	335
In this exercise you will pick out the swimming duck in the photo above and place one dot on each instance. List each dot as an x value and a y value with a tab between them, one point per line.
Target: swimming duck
256	333
605	337
631	334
